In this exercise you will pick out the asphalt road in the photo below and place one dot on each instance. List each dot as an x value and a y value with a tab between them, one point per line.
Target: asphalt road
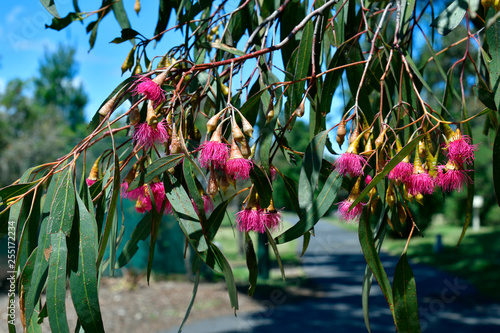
335	265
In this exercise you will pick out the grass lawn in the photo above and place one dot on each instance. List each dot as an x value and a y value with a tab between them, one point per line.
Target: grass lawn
476	259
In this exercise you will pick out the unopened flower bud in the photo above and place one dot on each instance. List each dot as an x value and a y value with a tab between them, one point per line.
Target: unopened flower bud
245	148
341	132
134	116
138	68
236	131
108	106
212	122
270	114
129	61
390	196
224	183
421	149
151	118
380	139
160	78
247	127
354	134
137	6
175	143
402	214
213	187
299	111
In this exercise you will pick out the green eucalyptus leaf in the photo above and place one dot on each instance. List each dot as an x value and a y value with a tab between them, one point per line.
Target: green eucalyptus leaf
370	252
63	206
451	17
51	7
83	271
56	286
251	259
315	211
404	291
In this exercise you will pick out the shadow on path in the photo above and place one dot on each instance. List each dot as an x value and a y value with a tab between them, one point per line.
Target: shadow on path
335	266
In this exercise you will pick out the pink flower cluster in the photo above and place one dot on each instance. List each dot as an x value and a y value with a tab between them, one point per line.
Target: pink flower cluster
257	219
451	176
143	198
216	154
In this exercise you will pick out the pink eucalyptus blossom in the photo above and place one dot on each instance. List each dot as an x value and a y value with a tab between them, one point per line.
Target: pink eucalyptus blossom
147	136
143	204
214	153
133	194
239	168
150	89
250	220
271	219
90	182
350	216
158	193
401	172
460	150
450	178
421	183
350	164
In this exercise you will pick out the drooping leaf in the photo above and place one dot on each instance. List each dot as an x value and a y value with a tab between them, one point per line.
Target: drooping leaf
404	291
251	259
39	275
51	7
185	214
163	16
110	218
496	166
228	275
366	240
196	269
493	63
261	183
309	172
56	286
63	206
216	218
122	18
140	232
407	8
61	23
15	190
451	17
25	282
83	272
315	210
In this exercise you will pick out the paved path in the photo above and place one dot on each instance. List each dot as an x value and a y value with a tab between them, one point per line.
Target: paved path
334	263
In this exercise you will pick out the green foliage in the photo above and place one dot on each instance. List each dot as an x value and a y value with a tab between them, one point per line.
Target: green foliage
401	103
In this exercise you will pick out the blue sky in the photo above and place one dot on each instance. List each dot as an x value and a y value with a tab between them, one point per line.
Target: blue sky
24	39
